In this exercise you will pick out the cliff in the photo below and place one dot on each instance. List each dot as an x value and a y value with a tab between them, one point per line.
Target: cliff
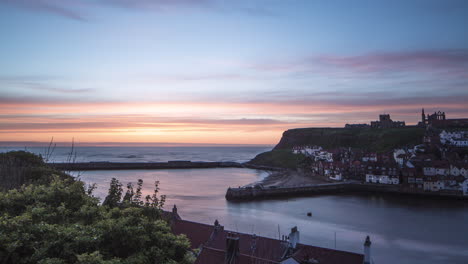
376	140
368	139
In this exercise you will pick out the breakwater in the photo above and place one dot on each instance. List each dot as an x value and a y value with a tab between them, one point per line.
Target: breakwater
89	166
259	192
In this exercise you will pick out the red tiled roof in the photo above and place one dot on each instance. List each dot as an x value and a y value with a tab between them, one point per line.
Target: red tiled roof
216	256
197	233
260	247
252	248
326	256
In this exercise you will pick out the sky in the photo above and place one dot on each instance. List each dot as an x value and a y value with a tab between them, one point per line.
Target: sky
224	72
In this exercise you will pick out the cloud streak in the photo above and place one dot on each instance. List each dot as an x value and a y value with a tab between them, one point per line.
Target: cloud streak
63	8
452	62
78	10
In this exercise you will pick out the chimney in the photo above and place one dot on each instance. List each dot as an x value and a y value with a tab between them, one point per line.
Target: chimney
253	245
232	248
175	215
217	226
293	237
367	244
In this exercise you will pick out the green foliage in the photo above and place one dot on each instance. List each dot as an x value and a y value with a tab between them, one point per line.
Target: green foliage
133	198
369	139
21	167
114	195
60	222
280	159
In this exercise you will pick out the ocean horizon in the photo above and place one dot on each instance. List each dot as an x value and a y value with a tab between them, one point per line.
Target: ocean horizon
219	153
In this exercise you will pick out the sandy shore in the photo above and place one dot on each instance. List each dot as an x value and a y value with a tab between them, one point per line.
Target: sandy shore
289	179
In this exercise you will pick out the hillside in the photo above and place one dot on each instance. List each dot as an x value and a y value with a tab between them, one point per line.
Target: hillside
368	139
378	140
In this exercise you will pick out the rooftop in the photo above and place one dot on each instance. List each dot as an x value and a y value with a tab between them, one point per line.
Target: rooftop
250	248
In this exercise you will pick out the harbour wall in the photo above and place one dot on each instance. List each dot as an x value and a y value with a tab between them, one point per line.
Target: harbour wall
89	166
258	193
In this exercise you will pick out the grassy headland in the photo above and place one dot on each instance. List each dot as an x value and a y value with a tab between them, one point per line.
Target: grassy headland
368	139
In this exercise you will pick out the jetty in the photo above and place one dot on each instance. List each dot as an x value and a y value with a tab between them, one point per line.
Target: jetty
177	164
259	192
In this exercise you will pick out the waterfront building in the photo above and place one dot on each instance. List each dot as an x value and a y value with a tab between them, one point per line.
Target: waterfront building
432	184
465	187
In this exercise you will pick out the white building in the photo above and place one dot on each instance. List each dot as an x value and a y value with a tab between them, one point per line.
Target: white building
442	171
306	150
465	187
382	179
371	178
370	157
454	170
336	177
315	152
433	186
399	156
457	139
429	171
464	172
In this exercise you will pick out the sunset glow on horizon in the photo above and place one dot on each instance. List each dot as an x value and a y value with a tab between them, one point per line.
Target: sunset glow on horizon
224	72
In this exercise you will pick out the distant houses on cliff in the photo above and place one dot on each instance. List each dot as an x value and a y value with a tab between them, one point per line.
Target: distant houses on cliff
440	164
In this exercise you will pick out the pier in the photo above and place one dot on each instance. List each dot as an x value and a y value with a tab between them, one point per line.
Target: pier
90	166
258	192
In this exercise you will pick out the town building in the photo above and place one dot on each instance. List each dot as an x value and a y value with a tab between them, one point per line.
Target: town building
456	138
465	187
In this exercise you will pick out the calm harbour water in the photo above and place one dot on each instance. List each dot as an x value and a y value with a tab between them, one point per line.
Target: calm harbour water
402	229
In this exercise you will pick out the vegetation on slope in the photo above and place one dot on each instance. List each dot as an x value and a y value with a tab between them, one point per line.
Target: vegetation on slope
20	167
279	159
54	219
368	139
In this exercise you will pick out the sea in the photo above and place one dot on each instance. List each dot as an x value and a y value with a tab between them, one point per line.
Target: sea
402	229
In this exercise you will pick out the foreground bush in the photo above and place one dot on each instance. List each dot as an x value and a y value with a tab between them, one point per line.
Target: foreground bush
20	167
60	222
